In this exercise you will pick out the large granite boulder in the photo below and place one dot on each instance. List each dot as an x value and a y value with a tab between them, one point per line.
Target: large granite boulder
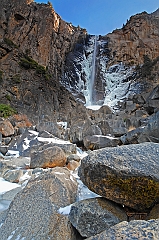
48	158
127	174
92	216
6	128
33	214
99	141
137	229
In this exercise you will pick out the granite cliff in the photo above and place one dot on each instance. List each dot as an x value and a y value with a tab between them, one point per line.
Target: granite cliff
34	42
47	64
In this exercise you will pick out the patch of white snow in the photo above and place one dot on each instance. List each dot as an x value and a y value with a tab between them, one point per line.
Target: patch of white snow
65	210
6	186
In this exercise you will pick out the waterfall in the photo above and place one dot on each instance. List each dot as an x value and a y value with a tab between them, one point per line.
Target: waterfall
90	86
93	70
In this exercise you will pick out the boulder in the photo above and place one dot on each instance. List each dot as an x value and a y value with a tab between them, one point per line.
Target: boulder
74	157
72	165
132	137
99	114
154	213
13	175
92	216
33	214
6	128
104	126
48	158
92	130
78	129
118	132
100	141
12	163
151	130
50	127
3	149
127	174
137	229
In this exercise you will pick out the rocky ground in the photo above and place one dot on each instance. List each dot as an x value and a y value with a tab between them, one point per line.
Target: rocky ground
51	144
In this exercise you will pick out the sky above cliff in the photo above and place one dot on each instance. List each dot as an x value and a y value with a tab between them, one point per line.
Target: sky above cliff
100	16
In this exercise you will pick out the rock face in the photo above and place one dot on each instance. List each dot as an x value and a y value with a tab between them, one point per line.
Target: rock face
131	230
33	212
48	158
127	175
134	37
92	216
35	42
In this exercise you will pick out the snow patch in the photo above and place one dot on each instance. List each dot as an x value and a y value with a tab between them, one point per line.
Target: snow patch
34	132
6	186
10	237
65	210
26	143
13	153
94	107
26	176
62	124
59	173
53	140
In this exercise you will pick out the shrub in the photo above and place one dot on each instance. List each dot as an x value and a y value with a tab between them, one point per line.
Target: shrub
27	62
16	78
40	69
8	97
6	110
10	43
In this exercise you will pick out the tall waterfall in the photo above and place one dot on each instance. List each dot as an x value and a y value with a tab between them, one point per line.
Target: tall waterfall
90	85
93	70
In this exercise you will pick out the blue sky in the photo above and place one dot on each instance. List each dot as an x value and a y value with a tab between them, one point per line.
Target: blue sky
100	16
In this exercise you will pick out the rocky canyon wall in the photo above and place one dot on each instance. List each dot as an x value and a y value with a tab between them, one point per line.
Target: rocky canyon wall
34	42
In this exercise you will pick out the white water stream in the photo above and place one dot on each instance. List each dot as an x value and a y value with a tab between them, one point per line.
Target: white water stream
90	86
92	79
